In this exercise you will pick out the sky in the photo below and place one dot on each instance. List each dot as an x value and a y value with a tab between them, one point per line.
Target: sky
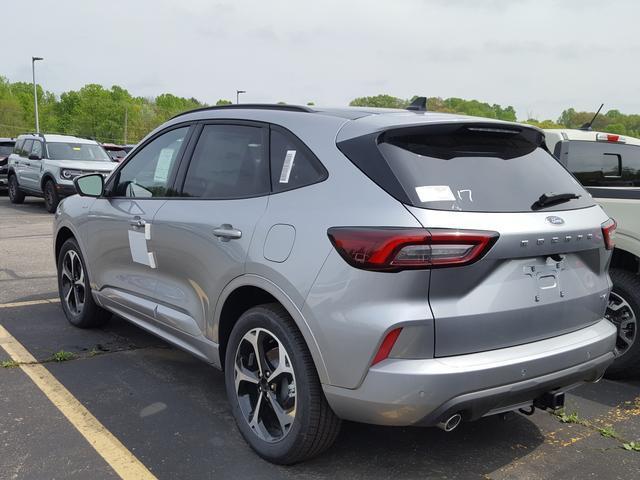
541	56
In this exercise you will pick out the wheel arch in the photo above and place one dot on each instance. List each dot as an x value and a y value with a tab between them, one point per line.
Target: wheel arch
46	177
247	291
625	260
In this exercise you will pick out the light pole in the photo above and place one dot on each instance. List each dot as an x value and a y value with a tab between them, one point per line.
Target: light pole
238	92
35	90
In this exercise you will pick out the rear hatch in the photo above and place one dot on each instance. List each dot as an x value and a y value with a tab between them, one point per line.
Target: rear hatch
546	274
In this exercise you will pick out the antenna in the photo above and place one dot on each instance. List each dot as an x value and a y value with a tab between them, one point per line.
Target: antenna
587	126
418	105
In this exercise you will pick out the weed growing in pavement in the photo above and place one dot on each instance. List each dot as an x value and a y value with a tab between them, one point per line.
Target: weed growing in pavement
608	432
632	446
9	364
565	417
63	356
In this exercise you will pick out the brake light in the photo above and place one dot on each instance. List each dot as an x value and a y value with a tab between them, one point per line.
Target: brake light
610	137
608	233
391	249
386	346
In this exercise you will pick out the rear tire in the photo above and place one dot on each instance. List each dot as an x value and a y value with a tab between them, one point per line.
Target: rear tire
51	198
15	195
75	293
276	396
624	312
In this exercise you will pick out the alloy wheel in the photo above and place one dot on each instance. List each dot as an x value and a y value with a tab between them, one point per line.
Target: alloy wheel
622	315
265	384
73	289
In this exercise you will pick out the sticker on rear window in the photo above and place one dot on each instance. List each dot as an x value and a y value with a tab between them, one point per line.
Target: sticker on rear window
287	166
435	193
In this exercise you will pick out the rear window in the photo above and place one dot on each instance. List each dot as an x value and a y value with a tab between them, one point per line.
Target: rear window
76	151
602	164
467	167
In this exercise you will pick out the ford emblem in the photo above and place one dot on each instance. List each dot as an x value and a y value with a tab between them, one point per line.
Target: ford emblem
553	220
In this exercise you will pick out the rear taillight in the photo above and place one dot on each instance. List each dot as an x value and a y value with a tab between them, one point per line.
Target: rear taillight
391	249
608	233
386	346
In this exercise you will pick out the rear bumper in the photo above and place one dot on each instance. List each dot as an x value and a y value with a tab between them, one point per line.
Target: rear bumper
423	392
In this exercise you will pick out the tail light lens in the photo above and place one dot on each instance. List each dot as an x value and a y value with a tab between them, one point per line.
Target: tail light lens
391	249
608	233
386	346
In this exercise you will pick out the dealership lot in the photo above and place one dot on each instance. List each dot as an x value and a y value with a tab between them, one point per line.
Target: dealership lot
170	412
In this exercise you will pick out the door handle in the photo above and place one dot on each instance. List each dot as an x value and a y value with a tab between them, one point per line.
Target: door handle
137	222
226	232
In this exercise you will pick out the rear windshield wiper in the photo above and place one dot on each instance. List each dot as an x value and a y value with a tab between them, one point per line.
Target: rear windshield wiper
547	200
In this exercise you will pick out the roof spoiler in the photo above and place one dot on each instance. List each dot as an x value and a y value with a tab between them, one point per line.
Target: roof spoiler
418	105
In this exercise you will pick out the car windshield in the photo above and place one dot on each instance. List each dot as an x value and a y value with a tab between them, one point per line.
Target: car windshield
6	149
76	151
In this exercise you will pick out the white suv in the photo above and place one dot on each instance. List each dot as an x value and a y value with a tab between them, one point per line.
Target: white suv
45	165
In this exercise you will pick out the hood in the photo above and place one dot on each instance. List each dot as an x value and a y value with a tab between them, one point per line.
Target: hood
90	166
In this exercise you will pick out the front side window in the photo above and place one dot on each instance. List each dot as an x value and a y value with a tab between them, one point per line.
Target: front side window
149	172
36	149
76	151
229	161
26	149
292	163
18	148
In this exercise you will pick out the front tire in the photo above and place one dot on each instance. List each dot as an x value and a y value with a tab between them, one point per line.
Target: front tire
624	311
75	293
51	198
274	389
15	195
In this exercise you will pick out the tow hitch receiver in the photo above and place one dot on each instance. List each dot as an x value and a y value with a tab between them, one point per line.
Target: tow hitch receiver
550	401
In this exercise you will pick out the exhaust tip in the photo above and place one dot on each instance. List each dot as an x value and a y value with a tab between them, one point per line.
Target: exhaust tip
450	423
598	378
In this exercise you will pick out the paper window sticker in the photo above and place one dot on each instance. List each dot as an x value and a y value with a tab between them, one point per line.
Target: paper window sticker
164	164
435	193
287	166
138	247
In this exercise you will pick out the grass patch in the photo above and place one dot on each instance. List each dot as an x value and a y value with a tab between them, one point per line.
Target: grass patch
632	446
9	364
63	356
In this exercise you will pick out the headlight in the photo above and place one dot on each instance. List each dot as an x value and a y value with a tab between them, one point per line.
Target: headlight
70	174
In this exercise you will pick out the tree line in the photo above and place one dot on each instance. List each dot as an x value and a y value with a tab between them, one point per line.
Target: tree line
114	115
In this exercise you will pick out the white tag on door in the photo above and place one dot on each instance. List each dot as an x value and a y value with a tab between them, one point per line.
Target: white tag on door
287	166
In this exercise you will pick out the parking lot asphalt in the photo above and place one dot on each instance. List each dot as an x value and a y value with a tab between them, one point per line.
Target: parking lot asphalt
169	410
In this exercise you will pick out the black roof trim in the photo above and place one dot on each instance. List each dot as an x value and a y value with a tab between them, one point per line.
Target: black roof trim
251	106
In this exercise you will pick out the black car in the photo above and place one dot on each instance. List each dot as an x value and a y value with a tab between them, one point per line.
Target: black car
6	147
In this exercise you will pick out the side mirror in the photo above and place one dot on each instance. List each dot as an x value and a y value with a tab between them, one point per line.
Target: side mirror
33	156
91	185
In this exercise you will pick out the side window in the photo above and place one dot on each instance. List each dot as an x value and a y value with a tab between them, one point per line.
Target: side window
631	166
18	147
292	163
36	149
229	161
26	149
147	174
595	164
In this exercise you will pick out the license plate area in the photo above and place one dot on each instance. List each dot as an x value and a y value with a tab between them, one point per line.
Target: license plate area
546	275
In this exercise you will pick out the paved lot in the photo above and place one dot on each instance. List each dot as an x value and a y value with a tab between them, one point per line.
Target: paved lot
170	410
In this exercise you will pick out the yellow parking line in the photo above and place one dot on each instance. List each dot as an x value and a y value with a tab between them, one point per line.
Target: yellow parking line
123	462
29	302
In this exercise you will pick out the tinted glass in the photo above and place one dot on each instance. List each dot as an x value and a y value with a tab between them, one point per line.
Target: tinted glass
602	164
18	148
292	163
476	168
148	173
229	161
26	148
36	149
76	151
6	148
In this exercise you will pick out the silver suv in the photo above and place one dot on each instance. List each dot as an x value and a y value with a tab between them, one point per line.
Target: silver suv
45	166
383	266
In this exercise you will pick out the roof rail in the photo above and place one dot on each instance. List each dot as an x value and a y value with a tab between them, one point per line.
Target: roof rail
251	106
